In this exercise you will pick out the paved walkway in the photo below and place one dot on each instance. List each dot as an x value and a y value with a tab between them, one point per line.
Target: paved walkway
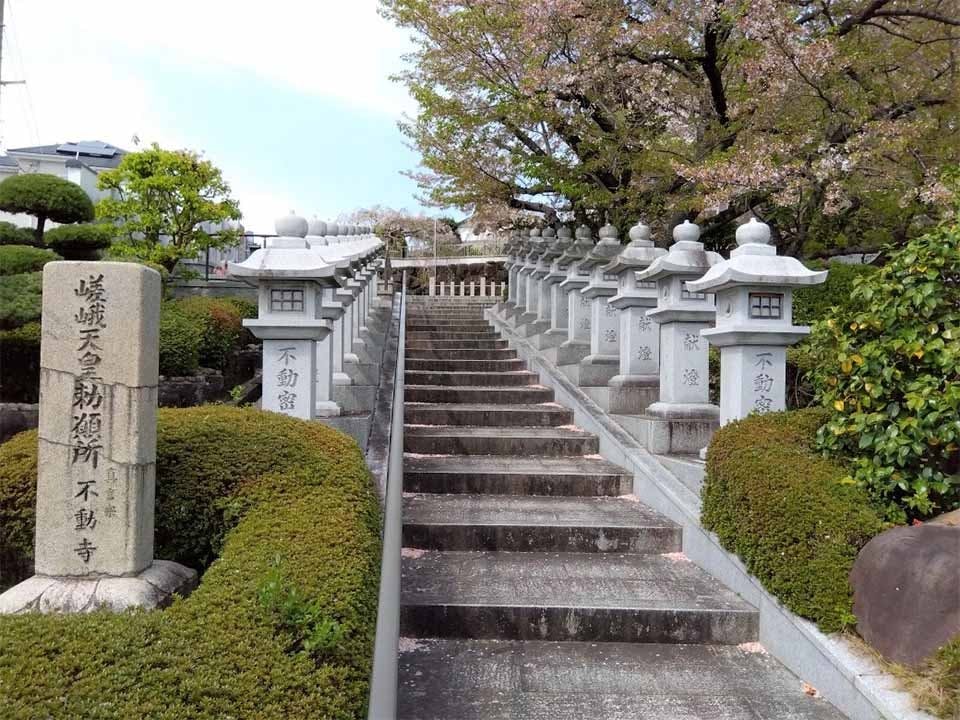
534	587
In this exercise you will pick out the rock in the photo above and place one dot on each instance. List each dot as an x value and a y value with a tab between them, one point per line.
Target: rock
906	591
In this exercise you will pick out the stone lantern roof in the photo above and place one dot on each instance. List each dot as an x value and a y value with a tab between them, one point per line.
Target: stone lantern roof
578	249
638	254
603	251
755	262
685	257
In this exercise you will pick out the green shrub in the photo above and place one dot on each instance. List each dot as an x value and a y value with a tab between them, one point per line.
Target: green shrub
180	339
289	489
777	504
20	352
18	259
20	299
46	197
80	242
888	367
10	234
221	325
814	303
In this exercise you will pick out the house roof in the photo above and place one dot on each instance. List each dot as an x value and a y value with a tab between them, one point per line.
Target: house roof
6	160
92	153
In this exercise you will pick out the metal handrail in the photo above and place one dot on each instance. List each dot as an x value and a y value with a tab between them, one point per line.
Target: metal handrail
383	682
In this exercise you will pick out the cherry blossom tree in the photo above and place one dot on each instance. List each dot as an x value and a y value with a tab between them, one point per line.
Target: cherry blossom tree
832	120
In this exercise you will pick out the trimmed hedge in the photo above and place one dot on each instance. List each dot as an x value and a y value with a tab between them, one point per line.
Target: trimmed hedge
20	349
814	303
780	506
18	259
275	493
180	339
221	327
10	234
81	242
20	299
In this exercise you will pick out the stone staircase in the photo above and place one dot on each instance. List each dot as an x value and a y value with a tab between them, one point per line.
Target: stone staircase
533	585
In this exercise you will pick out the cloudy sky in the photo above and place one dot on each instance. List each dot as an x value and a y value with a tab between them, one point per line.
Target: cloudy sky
291	98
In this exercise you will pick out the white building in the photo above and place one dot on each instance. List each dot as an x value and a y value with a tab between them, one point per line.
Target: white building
78	162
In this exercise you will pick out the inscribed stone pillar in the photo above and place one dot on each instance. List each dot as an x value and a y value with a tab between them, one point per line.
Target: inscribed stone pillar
97	444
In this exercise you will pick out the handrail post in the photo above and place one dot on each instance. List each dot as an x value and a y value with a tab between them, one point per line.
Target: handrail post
383	683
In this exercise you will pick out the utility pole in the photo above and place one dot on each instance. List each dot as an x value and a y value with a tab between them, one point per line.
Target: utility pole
2	81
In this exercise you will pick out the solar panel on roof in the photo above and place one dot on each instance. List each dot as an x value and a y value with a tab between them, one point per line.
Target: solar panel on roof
92	149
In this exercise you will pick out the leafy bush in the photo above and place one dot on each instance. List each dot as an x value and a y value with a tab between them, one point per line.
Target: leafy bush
221	325
80	242
20	349
20	299
263	486
46	197
814	303
10	234
17	259
180	339
777	504
889	369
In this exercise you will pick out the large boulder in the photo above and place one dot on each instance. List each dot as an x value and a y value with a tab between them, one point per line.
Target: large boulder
906	591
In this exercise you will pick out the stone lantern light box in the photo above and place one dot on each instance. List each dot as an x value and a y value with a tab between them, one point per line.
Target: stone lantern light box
754	321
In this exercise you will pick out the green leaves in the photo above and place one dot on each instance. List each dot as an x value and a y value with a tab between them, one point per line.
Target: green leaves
888	365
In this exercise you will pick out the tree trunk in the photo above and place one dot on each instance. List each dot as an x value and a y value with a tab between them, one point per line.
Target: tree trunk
38	231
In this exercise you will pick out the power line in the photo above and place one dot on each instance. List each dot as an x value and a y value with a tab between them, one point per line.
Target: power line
31	114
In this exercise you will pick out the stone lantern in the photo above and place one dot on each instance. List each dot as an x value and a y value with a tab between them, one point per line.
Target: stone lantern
512	250
754	326
549	236
290	281
603	362
577	345
683	419
559	307
638	382
530	294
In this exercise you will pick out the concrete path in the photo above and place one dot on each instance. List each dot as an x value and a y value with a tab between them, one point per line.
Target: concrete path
533	586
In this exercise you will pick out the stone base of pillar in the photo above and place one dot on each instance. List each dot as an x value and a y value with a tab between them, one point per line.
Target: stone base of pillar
152	588
325	408
340	378
535	327
681	429
524	318
549	339
598	369
572	352
633	394
350	357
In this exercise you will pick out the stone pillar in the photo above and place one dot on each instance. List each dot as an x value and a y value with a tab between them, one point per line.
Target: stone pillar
577	345
557	298
483	286
603	362
754	327
636	386
97	445
683	418
462	285
540	273
433	285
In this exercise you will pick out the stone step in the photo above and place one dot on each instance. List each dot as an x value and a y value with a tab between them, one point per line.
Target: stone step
452	335
538	415
544	442
447	354
435	324
528	524
493	475
509	365
439	344
442	679
495	395
461	378
593	597
453	330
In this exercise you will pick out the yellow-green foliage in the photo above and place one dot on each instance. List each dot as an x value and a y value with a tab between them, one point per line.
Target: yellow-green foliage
299	494
777	504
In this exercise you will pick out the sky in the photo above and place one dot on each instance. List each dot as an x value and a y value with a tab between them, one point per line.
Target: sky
290	98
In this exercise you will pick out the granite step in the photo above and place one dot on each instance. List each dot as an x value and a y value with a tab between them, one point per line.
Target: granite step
451	334
593	597
504	475
439	344
529	524
441	679
532	415
439	326
494	395
509	365
460	378
466	354
543	442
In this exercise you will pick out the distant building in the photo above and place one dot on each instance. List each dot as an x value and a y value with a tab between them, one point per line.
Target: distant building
78	162
470	231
